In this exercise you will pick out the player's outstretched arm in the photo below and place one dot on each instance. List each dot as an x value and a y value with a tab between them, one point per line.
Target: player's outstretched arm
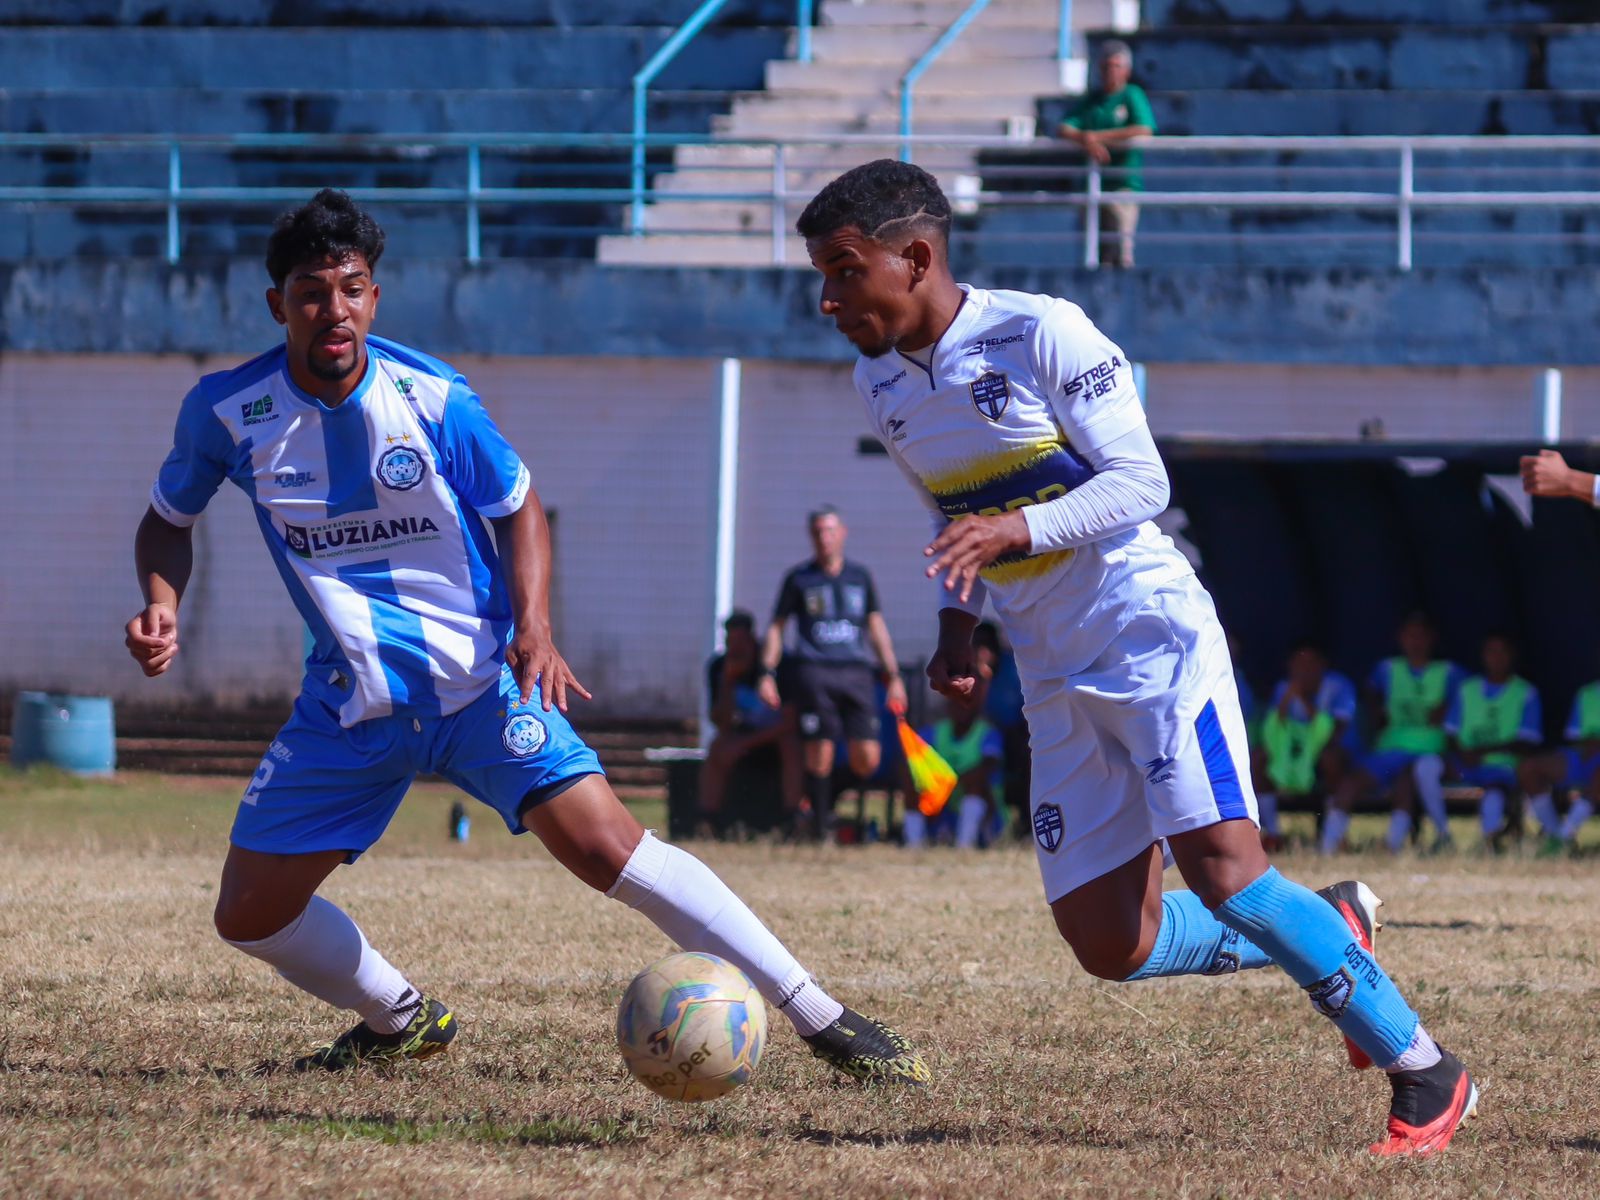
163	554
1547	474
523	539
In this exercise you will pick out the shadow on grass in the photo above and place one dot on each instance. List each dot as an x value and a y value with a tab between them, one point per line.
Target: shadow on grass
399	1131
1457	926
1592	1145
945	1135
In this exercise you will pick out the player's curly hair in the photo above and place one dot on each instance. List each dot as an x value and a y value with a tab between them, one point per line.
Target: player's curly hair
884	199
329	225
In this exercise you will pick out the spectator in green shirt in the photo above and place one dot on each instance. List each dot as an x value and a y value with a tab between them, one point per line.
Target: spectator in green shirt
1103	123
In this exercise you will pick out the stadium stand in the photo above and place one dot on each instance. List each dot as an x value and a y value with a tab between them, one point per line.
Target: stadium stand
1347	67
419	66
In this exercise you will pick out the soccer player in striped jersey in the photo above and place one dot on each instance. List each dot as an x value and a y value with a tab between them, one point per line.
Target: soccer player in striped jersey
372	469
1017	423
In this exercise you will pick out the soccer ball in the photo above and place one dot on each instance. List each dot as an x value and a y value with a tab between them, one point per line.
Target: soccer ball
691	1027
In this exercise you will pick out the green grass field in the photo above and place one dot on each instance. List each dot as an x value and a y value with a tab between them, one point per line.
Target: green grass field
129	1054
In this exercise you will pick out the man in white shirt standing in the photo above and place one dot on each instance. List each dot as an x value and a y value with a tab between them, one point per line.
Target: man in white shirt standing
1018	425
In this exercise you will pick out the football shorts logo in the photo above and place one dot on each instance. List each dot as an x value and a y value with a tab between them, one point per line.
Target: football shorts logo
401	468
991	394
1331	996
1047	826
524	735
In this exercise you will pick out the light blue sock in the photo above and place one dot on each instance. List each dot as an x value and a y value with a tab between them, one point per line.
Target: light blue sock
1311	942
1193	942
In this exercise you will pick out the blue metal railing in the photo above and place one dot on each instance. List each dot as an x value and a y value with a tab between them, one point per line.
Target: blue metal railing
908	81
804	15
1385	182
698	20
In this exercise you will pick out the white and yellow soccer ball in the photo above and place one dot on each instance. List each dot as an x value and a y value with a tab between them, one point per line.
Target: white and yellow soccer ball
691	1027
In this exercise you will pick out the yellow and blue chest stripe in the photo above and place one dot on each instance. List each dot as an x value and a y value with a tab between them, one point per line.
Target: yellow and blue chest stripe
1035	472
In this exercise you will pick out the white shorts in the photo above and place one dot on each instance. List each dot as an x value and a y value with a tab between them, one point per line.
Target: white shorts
1148	741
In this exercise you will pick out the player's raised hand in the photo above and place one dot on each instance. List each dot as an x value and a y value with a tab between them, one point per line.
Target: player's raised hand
966	546
152	638
536	664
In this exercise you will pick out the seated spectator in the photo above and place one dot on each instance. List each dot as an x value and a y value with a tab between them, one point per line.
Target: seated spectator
1305	741
1410	695
1004	711
1575	770
970	743
746	724
1493	723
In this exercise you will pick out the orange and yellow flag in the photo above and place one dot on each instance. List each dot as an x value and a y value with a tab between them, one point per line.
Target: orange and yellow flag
931	776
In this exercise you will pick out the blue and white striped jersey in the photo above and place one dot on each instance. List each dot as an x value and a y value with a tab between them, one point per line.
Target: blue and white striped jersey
371	512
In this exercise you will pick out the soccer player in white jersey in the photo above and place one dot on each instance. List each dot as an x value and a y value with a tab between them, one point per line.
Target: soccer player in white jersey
1017	423
372	469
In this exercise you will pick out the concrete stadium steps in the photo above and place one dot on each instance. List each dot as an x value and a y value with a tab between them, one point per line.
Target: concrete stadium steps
256	59
366	14
1350	113
390	111
880	81
1367	57
989	77
1171	13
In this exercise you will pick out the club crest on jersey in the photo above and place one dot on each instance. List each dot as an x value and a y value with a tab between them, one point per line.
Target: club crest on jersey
990	394
400	468
524	734
1047	826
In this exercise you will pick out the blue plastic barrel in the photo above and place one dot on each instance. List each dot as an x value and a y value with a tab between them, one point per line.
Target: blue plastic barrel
75	733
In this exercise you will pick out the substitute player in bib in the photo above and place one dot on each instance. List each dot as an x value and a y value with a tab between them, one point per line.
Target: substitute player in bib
1017	423
372	468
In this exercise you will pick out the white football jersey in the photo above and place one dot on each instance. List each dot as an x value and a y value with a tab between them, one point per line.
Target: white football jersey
371	512
1020	387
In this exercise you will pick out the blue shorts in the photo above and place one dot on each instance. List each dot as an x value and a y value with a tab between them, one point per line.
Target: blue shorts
1487	775
1580	770
1388	765
323	787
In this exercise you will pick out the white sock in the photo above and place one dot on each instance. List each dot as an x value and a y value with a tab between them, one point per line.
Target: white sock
322	951
1419	1056
1580	812
1493	813
687	902
914	829
1399	830
1267	808
1428	772
1544	808
969	821
1334	826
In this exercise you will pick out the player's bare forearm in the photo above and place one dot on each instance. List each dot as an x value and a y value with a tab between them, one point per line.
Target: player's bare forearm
965	546
523	540
1124	134
882	645
163	554
772	646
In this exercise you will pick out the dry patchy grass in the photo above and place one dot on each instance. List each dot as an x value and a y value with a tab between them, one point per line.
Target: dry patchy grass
129	1048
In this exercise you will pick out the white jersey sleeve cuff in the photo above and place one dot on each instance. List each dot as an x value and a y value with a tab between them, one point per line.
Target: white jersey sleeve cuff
1594	498
514	498
169	514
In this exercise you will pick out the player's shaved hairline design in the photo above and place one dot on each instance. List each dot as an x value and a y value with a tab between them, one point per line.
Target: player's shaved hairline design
864	197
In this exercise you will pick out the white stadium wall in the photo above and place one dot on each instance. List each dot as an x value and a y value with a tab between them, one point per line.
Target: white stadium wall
624	451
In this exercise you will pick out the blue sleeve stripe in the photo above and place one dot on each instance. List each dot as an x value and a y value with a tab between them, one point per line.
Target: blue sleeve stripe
1220	769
